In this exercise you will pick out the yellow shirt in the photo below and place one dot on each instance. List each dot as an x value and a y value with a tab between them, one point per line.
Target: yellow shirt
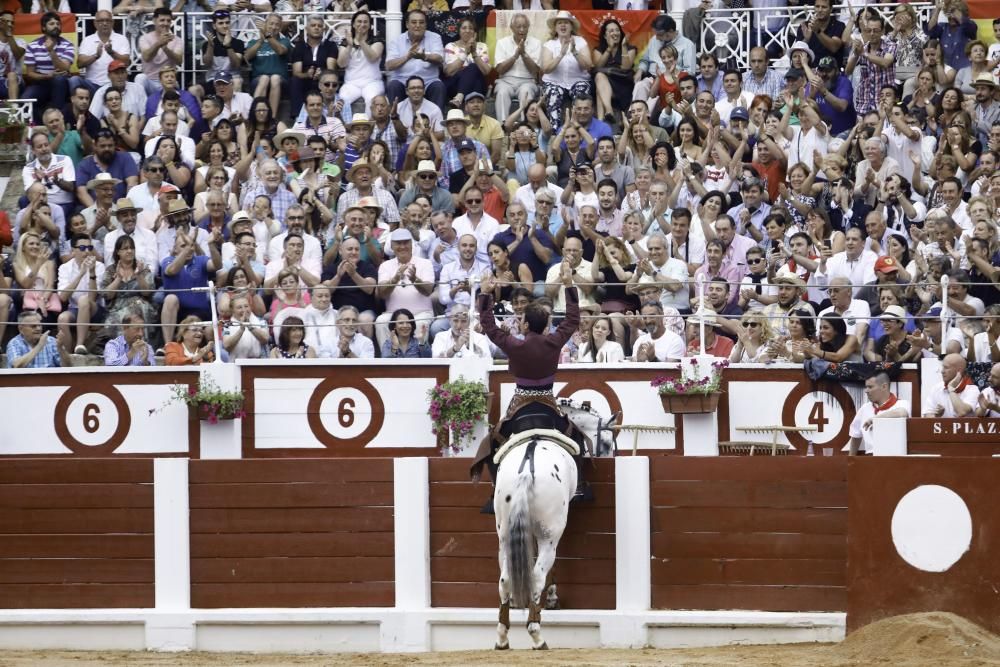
488	131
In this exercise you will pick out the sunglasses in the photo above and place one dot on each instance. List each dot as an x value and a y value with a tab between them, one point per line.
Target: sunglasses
758	260
426	177
751	325
155	170
85	248
295	217
330	84
473	201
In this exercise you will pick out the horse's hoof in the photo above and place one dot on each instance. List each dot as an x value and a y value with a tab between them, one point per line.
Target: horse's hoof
543	647
551	605
505	647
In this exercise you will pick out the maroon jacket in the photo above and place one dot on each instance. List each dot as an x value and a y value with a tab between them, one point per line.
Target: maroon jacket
533	361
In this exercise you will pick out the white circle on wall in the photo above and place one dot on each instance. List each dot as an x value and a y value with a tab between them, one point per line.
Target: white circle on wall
345	412
931	528
822	410
92	419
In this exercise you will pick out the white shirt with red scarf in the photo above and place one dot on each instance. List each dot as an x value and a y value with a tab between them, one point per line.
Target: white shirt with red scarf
869	411
967	391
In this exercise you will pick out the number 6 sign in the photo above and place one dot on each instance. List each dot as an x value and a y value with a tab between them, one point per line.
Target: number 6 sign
92	423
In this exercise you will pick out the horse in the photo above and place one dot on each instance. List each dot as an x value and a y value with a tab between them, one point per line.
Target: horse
592	424
535	481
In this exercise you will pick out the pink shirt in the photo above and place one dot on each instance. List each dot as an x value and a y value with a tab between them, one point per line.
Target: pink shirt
405	295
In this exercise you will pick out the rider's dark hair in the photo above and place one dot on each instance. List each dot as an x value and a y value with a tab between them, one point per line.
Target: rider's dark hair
536	316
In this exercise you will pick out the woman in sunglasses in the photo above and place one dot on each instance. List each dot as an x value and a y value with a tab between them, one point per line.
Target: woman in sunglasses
754	335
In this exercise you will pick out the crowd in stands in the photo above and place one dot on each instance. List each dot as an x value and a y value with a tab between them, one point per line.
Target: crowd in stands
347	195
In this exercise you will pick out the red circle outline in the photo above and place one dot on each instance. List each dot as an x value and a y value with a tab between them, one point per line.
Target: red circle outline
69	440
319	430
799	392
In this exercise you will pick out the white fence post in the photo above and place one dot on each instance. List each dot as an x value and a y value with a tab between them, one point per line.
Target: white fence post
632	551
172	630
408	630
224	439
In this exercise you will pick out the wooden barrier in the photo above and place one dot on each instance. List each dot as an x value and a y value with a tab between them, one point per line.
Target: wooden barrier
295	533
767	534
464	568
953	437
924	536
76	534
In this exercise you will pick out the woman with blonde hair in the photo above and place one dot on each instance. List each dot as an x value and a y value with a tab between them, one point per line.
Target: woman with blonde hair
188	348
754	335
35	272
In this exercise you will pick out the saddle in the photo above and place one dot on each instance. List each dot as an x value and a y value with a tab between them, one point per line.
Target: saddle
522	437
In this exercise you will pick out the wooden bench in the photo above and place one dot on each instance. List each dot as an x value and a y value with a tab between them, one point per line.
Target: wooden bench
753	448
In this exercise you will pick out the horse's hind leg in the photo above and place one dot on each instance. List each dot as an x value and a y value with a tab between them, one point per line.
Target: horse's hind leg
551	593
539	579
503	622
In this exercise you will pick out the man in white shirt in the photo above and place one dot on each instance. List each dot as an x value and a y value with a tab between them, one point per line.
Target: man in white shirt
538	181
169	127
518	63
881	404
989	400
986	344
127	216
133	95
77	284
873	170
668	273
350	343
99	50
952	205
658	343
454	341
477	223
572	252
457	278
957	396
855	312
295	218
405	281
320	318
856	263
55	172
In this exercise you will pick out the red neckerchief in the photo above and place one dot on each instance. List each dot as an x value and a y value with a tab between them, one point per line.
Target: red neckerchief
966	381
887	405
794	267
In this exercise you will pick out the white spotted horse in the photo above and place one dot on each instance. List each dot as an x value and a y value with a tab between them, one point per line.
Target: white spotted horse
535	481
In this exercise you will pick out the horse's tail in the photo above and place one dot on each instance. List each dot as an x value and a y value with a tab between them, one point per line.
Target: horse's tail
520	543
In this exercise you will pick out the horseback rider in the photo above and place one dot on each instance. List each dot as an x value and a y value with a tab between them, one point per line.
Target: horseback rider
533	362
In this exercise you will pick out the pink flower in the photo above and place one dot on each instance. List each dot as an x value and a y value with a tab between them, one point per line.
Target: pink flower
192	390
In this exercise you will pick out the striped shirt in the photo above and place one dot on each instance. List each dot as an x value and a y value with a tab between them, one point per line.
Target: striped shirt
772	85
330	129
47	357
116	354
38	56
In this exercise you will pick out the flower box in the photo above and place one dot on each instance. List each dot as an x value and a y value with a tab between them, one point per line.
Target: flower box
686	404
205	414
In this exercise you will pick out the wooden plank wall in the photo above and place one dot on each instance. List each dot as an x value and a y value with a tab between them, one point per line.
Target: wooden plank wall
292	533
761	533
76	534
464	568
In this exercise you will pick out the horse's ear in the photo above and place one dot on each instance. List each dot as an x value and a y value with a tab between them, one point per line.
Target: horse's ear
616	417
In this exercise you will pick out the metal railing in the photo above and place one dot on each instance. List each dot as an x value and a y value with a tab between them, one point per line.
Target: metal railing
191	27
730	34
15	114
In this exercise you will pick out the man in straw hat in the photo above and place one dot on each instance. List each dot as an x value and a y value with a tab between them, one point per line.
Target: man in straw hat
416	53
405	281
456	126
127	215
987	109
178	219
241	251
108	161
362	176
790	289
425	183
359	138
100	215
715	345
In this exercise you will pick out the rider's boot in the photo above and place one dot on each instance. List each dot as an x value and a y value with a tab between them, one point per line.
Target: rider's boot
488	506
583	491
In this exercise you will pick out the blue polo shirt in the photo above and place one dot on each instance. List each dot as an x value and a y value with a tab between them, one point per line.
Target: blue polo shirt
525	254
122	166
192	274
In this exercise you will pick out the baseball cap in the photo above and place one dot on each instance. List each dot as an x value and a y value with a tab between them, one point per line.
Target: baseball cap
934	312
116	65
168	187
794	73
220	14
224	77
474	95
466	145
827	62
401	234
886	264
739	113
